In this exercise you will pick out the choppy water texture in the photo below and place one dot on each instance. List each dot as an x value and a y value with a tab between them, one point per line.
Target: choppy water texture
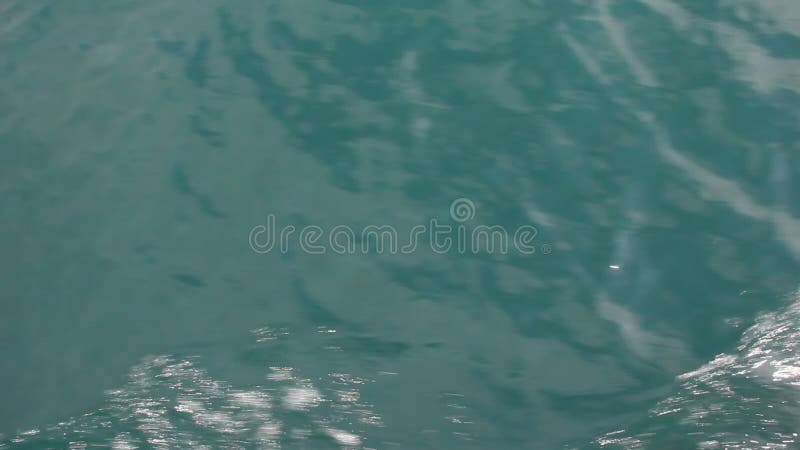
652	143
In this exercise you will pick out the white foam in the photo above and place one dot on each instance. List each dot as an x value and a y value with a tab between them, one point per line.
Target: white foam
302	398
343	437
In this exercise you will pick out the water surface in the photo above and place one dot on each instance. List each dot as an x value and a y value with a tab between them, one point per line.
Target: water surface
652	143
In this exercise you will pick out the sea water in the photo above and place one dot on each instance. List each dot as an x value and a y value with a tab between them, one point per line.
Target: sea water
495	224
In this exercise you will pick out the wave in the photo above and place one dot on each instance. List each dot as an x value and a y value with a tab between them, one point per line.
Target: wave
171	402
746	399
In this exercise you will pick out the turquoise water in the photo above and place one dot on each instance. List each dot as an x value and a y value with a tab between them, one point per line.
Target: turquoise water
653	145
